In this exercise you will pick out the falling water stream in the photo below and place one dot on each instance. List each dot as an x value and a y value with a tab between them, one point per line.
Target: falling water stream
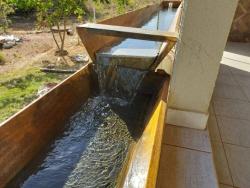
123	82
91	151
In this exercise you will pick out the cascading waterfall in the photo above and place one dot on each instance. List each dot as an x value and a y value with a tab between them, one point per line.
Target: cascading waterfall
116	81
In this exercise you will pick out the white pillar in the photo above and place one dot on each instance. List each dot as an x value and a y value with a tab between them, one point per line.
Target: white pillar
205	27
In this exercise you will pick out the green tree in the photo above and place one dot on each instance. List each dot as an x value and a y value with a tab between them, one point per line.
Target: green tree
55	14
5	9
122	5
24	5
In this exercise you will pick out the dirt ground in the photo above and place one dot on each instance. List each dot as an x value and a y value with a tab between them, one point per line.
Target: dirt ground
20	77
38	49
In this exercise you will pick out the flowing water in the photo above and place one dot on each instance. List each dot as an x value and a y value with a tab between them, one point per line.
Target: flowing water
93	147
160	21
91	151
123	82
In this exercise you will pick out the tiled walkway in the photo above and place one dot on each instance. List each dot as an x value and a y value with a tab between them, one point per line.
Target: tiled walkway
186	160
229	124
187	156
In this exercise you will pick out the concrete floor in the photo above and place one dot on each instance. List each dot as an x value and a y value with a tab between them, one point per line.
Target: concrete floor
188	160
230	119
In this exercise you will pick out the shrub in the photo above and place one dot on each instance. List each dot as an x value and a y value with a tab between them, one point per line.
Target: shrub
121	5
2	58
6	8
24	5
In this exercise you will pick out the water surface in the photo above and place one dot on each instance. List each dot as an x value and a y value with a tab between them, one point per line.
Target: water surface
91	151
160	21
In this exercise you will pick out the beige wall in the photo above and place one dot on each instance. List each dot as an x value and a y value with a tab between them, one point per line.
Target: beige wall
205	27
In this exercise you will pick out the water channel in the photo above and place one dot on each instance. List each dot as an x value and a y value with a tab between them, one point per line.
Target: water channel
96	140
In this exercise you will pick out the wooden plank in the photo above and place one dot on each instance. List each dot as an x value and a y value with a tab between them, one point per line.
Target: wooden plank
62	71
166	48
130	32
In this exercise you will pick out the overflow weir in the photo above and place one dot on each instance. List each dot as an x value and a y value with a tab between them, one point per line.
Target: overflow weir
102	126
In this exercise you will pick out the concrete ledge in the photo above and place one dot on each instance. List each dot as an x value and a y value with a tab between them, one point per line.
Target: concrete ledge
188	119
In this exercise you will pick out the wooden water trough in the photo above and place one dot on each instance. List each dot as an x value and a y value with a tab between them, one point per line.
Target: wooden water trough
25	135
107	33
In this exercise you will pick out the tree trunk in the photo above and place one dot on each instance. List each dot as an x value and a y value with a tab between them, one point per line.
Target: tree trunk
61	51
64	34
94	11
5	25
53	34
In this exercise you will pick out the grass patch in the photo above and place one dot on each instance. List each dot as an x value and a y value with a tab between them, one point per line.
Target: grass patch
19	88
2	58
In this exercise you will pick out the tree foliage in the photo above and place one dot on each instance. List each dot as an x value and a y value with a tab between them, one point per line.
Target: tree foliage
52	13
5	9
24	5
121	5
55	13
122	2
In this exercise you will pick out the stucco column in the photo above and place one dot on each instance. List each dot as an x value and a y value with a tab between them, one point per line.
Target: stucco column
205	26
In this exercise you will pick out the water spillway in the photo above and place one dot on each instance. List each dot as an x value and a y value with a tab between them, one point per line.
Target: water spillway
114	63
94	146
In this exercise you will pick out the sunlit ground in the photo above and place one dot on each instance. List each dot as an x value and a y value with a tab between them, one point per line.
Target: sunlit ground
237	55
